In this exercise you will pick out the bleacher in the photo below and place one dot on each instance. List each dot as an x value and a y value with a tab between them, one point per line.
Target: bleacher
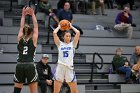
103	42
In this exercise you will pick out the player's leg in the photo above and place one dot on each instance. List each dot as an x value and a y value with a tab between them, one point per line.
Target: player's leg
59	78
73	87
33	87
19	78
18	87
130	32
32	77
70	78
57	86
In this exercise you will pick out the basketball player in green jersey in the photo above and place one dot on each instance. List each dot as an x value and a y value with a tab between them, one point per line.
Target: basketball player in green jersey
27	42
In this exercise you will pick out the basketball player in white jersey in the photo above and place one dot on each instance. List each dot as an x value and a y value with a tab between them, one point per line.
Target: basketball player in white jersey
64	69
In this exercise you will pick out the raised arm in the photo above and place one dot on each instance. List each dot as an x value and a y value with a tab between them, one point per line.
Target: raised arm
22	22
55	36
76	37
35	24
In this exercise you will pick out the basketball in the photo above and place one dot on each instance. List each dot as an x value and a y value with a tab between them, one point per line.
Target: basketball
65	25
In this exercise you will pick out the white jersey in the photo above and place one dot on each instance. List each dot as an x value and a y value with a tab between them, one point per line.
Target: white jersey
66	53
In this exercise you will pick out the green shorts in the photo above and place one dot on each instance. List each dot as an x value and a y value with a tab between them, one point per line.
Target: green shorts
25	71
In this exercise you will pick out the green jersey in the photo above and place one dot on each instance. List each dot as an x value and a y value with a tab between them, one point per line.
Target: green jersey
26	50
119	61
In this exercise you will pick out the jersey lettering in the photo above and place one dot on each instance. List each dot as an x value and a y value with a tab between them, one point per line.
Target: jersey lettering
66	48
65	53
25	51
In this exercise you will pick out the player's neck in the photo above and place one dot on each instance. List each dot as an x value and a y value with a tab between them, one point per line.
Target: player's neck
67	42
26	38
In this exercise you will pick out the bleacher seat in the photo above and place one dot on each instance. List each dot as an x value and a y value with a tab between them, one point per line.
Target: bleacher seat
1	17
116	78
25	89
105	68
41	16
7	68
7	22
10	68
81	89
21	2
108	41
48	90
106	58
1	14
9	30
3	38
130	88
92	49
103	49
10	88
5	57
13	48
6	78
108	34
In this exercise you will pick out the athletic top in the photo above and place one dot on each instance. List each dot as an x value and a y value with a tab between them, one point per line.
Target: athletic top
26	50
66	53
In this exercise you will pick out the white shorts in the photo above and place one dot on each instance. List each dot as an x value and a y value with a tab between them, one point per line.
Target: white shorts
64	73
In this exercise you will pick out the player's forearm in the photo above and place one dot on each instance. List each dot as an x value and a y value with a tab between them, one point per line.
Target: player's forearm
34	21
56	30
75	30
72	21
22	22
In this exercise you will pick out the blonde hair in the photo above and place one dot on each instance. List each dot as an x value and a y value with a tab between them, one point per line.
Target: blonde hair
27	30
119	49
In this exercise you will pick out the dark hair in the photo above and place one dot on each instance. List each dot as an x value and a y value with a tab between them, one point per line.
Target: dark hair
27	30
65	33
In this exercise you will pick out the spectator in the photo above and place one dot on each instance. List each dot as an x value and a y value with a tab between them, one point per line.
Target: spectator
109	4
121	3
11	5
27	43
135	61
24	3
81	5
45	6
60	4
124	22
98	4
1	23
44	73
135	56
136	70
120	64
67	14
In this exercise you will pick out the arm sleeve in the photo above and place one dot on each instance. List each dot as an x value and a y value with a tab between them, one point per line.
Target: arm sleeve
117	20
132	60
40	73
113	64
130	19
50	73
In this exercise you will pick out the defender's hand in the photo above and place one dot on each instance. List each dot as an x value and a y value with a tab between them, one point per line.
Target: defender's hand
24	13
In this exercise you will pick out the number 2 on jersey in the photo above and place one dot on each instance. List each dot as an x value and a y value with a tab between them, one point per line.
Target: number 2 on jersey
65	54
25	51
